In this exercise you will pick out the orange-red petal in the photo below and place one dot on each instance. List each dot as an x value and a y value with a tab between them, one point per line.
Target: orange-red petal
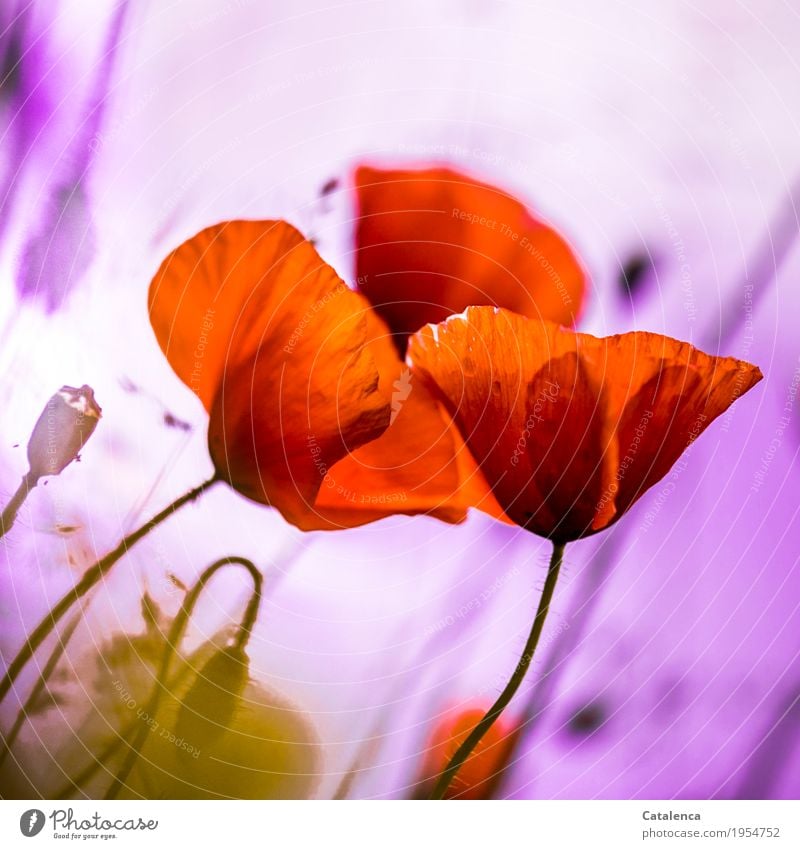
483	769
418	465
568	429
282	365
661	395
301	379
431	242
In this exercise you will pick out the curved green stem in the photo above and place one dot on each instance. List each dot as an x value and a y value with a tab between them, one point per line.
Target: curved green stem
126	733
174	638
468	746
111	748
91	577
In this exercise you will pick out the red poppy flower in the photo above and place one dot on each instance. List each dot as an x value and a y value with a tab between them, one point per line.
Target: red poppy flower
298	376
570	430
479	776
430	243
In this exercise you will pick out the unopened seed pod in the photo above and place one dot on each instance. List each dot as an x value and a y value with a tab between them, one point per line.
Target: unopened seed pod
209	705
66	423
270	751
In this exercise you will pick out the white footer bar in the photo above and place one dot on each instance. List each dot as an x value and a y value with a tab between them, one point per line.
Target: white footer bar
403	825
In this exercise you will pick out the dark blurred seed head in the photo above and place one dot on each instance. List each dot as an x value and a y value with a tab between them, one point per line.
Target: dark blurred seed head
330	186
634	273
10	64
587	719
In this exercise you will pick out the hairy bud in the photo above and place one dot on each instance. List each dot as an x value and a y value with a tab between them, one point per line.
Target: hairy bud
66	423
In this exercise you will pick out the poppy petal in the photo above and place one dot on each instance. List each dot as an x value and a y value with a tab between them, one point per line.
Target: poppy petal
284	369
568	429
430	243
663	395
514	395
219	295
418	465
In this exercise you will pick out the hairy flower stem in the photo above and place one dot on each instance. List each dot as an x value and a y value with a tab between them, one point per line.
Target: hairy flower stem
492	715
9	515
92	577
174	638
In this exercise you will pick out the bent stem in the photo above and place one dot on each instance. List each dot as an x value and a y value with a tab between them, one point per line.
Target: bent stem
173	639
104	756
92	577
492	715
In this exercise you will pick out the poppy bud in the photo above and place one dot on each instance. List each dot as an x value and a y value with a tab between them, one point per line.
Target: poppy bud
66	423
211	702
269	750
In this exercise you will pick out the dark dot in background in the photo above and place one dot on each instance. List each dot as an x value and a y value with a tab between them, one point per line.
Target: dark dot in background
633	274
588	719
171	420
330	186
11	65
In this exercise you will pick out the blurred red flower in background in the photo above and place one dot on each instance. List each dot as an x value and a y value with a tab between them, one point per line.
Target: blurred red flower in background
432	242
479	776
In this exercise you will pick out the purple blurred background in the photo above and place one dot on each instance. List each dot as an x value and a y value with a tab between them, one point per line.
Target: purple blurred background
662	139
